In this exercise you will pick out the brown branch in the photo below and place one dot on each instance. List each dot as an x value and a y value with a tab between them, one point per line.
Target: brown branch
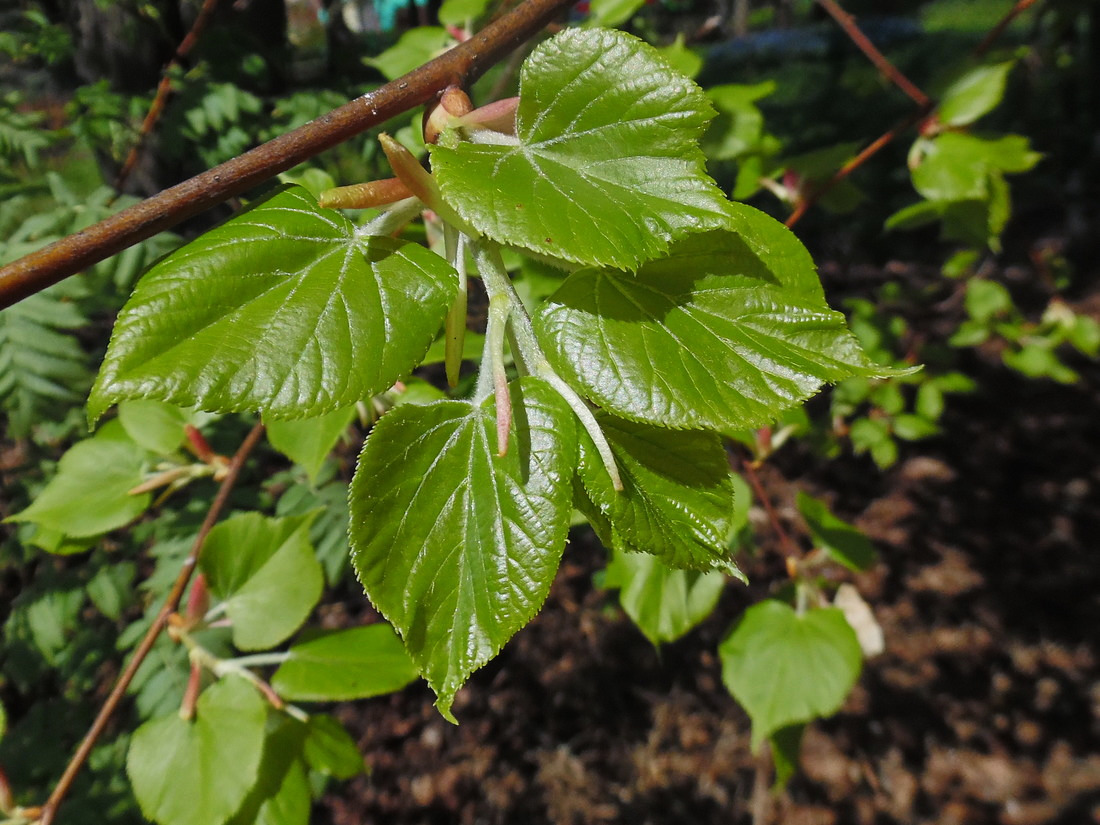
872	149
464	63
164	88
994	33
171	604
882	63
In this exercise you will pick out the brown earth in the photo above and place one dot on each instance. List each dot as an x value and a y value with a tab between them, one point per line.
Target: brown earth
985	707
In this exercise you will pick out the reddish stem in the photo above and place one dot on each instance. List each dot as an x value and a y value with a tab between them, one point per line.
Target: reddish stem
881	62
790	549
994	33
872	149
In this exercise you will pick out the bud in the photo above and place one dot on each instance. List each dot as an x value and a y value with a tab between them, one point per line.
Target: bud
364	195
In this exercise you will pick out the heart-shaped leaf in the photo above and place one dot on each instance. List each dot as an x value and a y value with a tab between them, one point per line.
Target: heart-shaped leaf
606	168
284	310
786	668
710	337
677	496
455	545
266	573
199	771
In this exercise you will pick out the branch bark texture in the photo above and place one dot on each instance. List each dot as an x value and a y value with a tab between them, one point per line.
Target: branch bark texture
461	65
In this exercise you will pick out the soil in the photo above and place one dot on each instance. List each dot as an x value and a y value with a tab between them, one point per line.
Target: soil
984	707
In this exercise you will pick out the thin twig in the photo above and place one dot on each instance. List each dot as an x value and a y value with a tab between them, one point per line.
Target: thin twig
872	149
461	65
49	810
164	88
790	549
882	63
994	33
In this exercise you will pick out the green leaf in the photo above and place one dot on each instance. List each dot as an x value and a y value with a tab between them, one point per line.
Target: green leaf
154	425
281	795
283	309
708	338
346	664
914	427
957	167
785	668
612	13
785	744
414	48
739	127
677	496
454	544
987	300
330	750
309	441
266	573
606	169
111	589
460	12
682	58
954	167
198	772
90	493
841	542
663	602
974	94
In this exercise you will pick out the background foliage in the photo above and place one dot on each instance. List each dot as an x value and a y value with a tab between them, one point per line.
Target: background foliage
1010	147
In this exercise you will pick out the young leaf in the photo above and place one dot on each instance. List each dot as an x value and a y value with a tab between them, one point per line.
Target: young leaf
842	542
974	94
90	493
663	602
284	309
677	496
346	664
454	544
308	442
606	168
330	750
707	338
156	426
267	574
786	668
198	772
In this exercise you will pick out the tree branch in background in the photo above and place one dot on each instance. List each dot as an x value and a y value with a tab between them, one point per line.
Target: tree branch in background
872	149
164	89
171	604
881	62
994	33
463	64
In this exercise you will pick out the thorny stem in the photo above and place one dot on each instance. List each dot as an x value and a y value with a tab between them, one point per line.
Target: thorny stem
892	72
171	603
463	64
495	277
